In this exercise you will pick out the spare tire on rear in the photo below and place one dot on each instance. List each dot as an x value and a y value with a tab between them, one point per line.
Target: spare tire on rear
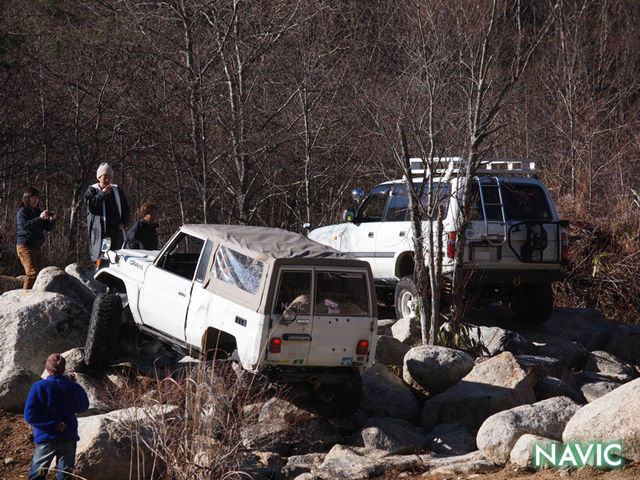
104	331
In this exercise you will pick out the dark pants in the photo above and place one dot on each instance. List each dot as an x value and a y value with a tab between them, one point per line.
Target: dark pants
62	448
31	259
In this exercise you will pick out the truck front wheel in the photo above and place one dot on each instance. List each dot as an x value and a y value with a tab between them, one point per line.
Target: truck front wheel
104	331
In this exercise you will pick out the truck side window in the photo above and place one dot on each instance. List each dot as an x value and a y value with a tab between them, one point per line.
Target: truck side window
373	207
238	270
398	210
181	258
294	293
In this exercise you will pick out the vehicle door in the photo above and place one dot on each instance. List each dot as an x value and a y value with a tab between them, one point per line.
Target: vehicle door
293	292
166	290
394	235
342	317
359	238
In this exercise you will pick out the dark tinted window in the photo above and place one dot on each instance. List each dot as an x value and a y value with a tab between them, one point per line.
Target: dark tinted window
522	201
373	207
398	210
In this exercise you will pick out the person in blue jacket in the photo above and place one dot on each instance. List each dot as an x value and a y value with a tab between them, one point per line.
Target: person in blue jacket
51	408
144	234
32	223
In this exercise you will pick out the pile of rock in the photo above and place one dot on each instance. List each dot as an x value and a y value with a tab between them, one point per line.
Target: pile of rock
573	378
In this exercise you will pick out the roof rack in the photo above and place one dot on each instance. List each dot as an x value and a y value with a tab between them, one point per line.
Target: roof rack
494	166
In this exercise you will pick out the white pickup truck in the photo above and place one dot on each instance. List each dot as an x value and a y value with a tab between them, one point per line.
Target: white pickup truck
515	240
292	309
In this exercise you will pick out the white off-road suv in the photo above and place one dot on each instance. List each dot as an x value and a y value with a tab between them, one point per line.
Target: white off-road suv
291	308
515	241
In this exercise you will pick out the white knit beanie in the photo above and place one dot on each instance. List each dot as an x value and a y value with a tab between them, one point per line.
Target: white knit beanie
104	169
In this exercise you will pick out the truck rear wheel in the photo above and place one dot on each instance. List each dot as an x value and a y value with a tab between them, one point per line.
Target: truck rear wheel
338	399
404	298
533	303
104	331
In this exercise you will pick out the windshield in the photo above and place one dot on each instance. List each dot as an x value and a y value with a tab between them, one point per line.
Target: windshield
398	210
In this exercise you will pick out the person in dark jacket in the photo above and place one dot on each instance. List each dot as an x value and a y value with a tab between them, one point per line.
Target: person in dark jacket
107	212
144	234
51	408
32	223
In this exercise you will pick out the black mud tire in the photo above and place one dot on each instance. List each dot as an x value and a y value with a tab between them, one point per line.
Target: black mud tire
338	399
403	299
104	331
533	303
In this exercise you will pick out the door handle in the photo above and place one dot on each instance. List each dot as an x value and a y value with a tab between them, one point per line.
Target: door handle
182	294
402	234
370	234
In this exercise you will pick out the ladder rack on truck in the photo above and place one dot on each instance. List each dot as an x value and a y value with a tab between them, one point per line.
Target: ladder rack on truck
494	166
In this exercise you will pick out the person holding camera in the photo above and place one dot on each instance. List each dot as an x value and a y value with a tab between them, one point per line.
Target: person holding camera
51	408
32	223
107	212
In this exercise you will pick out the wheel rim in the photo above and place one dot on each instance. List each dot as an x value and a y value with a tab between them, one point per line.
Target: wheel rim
407	307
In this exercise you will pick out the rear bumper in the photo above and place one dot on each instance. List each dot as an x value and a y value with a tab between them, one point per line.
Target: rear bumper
313	375
513	278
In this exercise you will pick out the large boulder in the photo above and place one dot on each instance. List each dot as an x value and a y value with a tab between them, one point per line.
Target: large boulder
593	385
114	444
434	368
615	416
86	277
407	330
583	325
550	387
394	435
499	433
53	279
390	351
569	352
610	366
521	453
34	325
385	395
492	386
497	340
451	439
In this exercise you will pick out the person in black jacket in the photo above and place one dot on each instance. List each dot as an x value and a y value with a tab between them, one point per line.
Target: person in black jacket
107	212
32	223
143	235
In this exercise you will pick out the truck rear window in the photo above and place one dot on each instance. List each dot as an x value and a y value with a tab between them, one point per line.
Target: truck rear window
522	201
341	293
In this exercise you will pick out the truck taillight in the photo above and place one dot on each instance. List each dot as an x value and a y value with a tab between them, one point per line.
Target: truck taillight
275	345
363	347
565	246
451	245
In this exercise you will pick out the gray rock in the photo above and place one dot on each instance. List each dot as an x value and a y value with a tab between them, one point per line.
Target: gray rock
385	395
593	385
599	421
540	367
610	366
499	433
582	325
300	464
492	386
86	277
384	326
407	330
521	453
274	435
53	279
107	441
550	387
280	408
434	369
496	340
451	439
569	352
394	435
34	325
390	351
625	343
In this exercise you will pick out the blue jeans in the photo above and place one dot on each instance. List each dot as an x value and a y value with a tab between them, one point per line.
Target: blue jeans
62	448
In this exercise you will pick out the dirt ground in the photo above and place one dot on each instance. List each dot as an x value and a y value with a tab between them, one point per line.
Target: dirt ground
16	447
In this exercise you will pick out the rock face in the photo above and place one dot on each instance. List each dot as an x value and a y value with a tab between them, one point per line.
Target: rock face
385	395
492	386
615	416
53	279
34	324
499	433
434	369
108	444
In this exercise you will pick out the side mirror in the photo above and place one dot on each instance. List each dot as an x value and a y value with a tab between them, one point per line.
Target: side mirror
288	316
106	244
358	195
306	226
348	215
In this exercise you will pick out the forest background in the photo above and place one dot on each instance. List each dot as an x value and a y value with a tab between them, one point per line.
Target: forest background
271	112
